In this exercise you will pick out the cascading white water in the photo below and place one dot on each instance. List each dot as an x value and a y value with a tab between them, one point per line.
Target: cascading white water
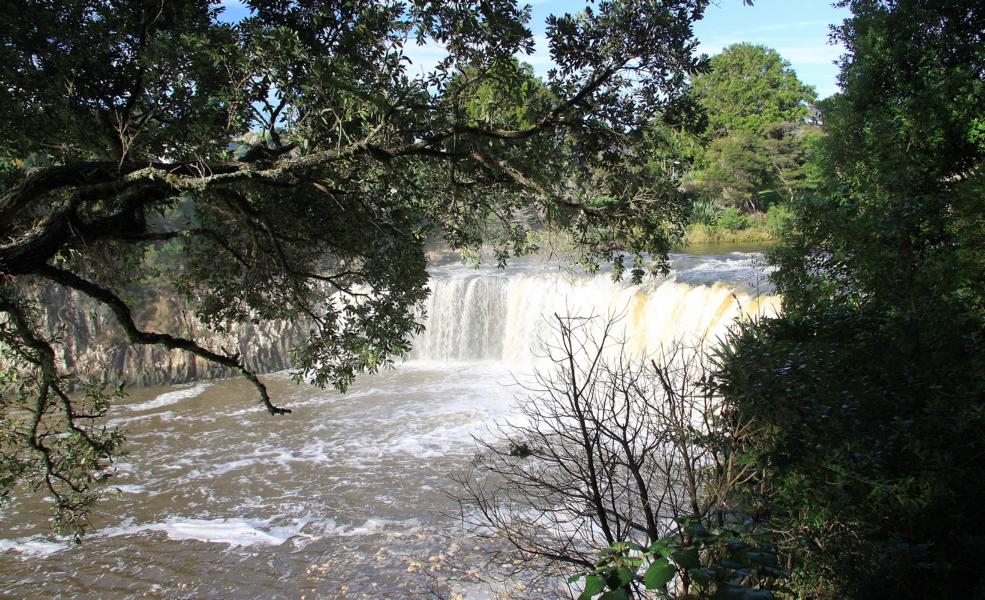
502	315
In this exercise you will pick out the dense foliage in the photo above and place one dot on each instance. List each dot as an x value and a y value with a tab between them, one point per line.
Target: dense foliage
869	389
295	166
750	88
760	128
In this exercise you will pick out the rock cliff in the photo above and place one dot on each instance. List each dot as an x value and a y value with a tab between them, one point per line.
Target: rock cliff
91	343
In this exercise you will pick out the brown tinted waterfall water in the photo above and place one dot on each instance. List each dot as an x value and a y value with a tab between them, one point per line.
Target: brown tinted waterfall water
346	497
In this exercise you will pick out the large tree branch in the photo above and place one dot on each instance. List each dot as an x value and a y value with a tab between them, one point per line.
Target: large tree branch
196	176
53	232
512	172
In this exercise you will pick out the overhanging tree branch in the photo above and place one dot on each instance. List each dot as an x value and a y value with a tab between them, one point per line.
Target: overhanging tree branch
124	317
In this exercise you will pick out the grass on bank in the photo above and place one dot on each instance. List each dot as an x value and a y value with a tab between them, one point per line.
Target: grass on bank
713	225
699	233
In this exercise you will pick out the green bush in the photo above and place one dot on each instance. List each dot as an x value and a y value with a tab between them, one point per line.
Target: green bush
779	219
732	219
866	395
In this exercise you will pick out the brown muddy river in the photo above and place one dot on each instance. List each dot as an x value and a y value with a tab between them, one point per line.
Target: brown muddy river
348	497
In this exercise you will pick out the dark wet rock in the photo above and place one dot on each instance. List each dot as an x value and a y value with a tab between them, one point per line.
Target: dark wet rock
520	449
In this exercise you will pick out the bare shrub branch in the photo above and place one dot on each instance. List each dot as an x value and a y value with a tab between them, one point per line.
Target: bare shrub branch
606	448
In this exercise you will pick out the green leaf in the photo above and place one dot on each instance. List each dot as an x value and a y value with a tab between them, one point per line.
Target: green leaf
663	547
687	558
575	578
594	584
615	595
658	574
622	577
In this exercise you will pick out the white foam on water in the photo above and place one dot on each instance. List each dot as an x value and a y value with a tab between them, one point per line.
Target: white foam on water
169	398
243	411
222	468
120	468
449	408
129	489
316	452
419	448
443	440
729	262
233	532
33	547
378	525
164	416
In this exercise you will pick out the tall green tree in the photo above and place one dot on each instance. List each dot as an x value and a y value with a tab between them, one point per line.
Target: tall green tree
296	166
736	168
790	149
758	113
869	390
749	88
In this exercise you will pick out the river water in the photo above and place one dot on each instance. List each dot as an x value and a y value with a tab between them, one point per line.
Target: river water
348	497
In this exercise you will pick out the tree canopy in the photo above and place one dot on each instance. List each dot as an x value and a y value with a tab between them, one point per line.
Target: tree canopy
749	88
759	127
296	167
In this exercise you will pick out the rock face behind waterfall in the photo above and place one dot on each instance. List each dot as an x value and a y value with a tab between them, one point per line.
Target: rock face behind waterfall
92	344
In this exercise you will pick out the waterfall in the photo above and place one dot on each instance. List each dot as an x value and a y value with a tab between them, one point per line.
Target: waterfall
503	315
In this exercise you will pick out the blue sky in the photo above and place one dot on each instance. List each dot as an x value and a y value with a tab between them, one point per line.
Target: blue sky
797	29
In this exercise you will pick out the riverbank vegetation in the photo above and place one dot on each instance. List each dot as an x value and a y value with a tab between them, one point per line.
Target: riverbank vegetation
865	397
761	123
863	400
752	159
711	224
